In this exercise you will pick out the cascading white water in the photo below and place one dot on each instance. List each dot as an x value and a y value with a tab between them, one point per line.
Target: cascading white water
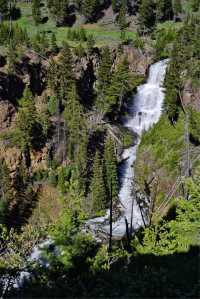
144	111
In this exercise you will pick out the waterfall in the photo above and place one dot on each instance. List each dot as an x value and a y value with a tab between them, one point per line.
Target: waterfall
144	111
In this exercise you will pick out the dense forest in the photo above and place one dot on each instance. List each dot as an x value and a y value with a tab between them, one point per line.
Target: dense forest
69	71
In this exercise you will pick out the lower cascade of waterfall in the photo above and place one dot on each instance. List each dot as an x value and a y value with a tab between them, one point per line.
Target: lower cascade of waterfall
144	111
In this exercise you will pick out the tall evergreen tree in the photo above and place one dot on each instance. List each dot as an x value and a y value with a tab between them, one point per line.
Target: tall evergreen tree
173	83
177	7
12	57
147	15
117	89
59	10
36	11
26	120
195	4
122	16
54	46
75	123
88	8
164	10
114	5
66	73
98	190
111	176
5	191
81	160
104	76
4	8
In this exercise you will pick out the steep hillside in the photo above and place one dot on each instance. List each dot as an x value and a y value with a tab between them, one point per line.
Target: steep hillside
92	204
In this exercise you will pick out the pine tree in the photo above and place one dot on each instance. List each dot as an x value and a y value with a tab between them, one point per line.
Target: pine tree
98	190
5	191
147	15
111	176
122	16
195	4
12	57
54	46
59	10
67	77
36	12
4	8
90	43
117	89
177	7
81	160
164	10
88	8
75	122
104	76
173	83
44	43
26	120
114	5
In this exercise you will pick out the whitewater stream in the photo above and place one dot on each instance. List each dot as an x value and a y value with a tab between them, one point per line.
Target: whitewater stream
143	112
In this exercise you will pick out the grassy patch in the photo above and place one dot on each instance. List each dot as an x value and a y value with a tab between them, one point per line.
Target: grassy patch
101	34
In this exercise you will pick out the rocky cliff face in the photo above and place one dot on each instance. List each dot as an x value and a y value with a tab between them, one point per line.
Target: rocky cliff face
32	70
191	96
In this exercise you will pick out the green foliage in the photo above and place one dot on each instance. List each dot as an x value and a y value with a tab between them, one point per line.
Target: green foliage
52	105
74	245
90	43
58	10
75	122
5	191
164	10
64	174
98	188
111	177
195	5
77	35
26	120
54	46
194	124
103	77
117	89
88	8
12	58
66	74
173	84
179	234
122	16
127	138
16	35
177	7
164	39
166	142
36	12
4	8
40	43
147	15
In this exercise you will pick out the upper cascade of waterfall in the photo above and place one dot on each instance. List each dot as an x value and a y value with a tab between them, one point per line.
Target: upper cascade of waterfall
157	73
